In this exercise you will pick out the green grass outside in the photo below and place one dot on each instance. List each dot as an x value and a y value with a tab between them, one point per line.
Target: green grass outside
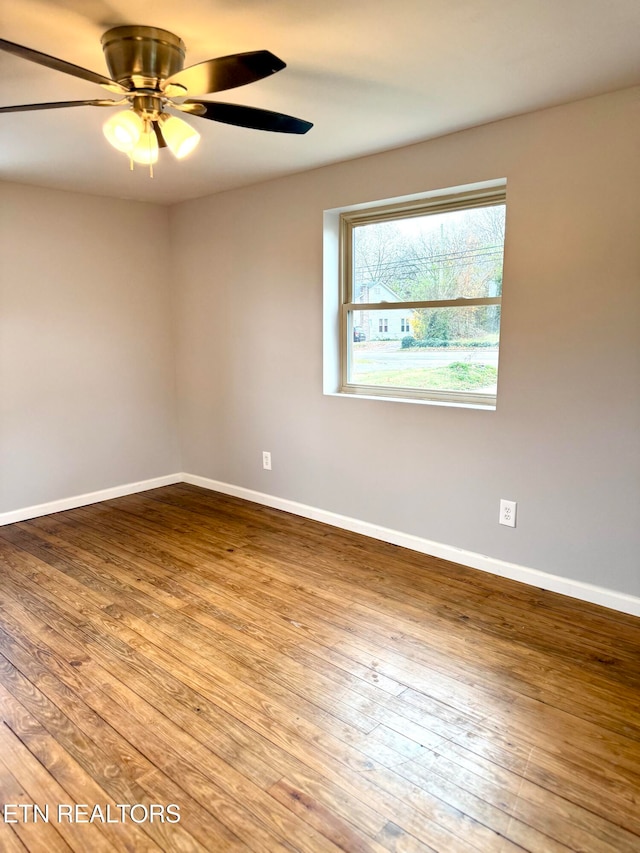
457	376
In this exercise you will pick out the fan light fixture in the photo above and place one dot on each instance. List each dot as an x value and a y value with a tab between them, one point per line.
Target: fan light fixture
147	71
145	150
123	130
180	137
134	135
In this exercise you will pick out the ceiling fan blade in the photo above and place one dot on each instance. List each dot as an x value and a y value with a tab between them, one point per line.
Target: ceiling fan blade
195	109
227	72
159	136
56	105
253	117
60	65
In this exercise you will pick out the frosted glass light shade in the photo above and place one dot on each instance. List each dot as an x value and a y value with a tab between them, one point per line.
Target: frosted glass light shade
123	130
180	137
146	149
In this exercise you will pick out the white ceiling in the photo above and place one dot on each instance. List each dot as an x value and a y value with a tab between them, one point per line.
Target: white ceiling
370	74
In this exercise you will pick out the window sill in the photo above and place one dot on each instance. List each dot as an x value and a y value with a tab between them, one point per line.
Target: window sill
485	407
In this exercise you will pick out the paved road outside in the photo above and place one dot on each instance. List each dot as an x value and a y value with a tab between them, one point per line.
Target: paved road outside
377	359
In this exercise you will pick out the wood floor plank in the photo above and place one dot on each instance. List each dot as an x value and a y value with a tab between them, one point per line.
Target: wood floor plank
35	834
119	714
224	791
296	687
573	780
93	759
9	841
43	790
424	826
562	693
71	666
326	820
71	776
183	592
391	802
545	821
289	678
453	578
587	752
292	652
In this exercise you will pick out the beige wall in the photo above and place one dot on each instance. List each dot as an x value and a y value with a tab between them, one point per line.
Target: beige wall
87	390
564	441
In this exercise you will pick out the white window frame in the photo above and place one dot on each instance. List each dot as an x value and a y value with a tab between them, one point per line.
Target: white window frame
383	212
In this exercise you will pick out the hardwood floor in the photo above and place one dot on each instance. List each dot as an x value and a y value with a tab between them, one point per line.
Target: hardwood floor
290	686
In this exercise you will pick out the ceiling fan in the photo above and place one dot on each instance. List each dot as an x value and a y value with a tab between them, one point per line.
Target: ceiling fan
147	71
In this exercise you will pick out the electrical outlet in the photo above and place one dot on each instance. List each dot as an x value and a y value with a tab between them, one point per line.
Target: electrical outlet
266	460
508	513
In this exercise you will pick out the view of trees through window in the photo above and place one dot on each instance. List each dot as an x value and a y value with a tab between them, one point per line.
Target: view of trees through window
433	258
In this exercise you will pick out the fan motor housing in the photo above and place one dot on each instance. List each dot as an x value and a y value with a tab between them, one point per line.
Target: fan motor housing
142	57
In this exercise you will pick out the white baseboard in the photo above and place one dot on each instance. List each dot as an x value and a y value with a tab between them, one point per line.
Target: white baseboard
534	577
88	498
555	583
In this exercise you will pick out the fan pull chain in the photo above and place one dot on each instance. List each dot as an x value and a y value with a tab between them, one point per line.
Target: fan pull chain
149	132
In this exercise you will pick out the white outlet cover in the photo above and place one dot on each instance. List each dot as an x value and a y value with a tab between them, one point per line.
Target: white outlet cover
508	512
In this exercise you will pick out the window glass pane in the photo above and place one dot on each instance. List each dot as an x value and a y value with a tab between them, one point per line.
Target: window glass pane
446	255
448	349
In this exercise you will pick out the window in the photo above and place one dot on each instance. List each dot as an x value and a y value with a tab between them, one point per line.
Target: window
434	268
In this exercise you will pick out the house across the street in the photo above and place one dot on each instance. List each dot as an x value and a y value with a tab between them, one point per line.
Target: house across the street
383	325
